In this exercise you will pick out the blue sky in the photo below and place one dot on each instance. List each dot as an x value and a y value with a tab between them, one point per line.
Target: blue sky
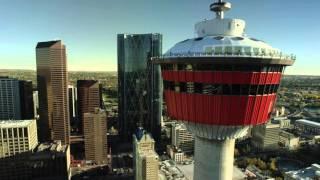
89	28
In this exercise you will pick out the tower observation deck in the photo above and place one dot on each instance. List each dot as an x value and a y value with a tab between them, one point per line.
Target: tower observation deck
220	84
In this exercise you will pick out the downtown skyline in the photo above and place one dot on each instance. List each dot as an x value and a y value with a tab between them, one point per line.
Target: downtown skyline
90	30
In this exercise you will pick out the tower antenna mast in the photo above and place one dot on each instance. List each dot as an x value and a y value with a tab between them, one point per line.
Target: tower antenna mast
219	7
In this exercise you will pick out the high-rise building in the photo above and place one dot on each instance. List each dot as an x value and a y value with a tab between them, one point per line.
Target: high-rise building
139	81
17	136
181	138
26	99
52	80
146	160
73	106
219	84
10	106
89	97
95	136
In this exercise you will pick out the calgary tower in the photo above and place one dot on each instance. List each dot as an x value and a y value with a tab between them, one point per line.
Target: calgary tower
219	84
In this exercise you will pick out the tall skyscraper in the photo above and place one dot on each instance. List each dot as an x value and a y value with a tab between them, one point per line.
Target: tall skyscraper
89	97
140	94
95	136
53	91
146	160
26	99
10	106
17	136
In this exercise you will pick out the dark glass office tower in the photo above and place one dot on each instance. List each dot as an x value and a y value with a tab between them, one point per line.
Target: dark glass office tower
140	93
9	99
26	99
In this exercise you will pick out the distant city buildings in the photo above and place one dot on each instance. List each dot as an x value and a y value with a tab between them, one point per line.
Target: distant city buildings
182	138
89	97
52	81
95	136
139	84
10	105
17	136
48	161
146	160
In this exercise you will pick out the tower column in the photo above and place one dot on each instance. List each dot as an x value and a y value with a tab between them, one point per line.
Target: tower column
213	159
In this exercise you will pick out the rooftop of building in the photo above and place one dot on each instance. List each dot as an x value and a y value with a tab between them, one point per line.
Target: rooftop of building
15	123
308	123
86	83
47	44
55	146
7	78
142	136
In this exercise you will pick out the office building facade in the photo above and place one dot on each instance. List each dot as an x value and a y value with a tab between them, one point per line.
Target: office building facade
139	83
47	161
95	136
182	138
53	91
17	136
26	99
146	160
73	107
266	136
89	97
10	107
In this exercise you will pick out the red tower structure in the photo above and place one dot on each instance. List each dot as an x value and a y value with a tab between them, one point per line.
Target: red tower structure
220	84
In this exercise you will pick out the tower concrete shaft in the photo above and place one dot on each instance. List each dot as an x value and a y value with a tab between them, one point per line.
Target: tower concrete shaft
217	165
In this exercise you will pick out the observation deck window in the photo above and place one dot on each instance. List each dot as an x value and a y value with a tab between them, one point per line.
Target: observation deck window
198	39
218	38
247	51
237	38
238	50
256	51
218	50
228	50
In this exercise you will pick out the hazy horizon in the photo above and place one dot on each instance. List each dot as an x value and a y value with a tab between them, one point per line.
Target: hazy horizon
89	28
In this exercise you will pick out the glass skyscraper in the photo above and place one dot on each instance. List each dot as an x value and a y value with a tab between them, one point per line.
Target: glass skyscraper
140	88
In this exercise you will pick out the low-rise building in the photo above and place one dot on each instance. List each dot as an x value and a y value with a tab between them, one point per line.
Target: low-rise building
309	173
175	154
17	136
307	127
288	140
49	161
284	122
266	136
182	138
